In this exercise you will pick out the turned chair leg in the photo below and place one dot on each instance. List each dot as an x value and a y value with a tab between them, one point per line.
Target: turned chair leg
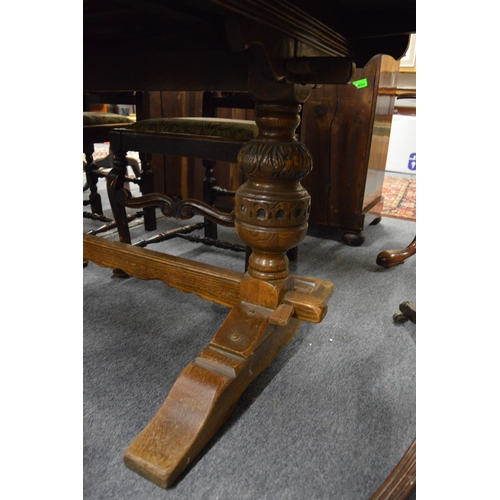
115	183
147	186
92	178
209	184
293	254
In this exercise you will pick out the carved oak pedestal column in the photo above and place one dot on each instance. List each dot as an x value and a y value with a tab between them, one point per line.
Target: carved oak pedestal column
272	208
267	304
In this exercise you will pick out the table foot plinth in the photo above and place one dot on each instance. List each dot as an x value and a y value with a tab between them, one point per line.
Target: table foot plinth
207	390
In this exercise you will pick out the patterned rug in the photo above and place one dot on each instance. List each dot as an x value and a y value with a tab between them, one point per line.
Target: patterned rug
400	197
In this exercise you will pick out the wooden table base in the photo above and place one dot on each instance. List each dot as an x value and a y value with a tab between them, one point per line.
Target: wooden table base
263	318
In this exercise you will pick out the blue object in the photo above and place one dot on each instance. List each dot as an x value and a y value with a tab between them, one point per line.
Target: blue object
412	162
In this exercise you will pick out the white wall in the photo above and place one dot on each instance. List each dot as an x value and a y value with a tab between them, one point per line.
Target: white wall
402	154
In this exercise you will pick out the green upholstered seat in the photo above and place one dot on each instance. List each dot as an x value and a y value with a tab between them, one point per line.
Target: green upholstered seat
241	130
96	118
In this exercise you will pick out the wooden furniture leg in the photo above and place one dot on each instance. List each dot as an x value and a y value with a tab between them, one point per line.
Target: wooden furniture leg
407	311
115	183
391	258
267	304
146	186
207	390
91	177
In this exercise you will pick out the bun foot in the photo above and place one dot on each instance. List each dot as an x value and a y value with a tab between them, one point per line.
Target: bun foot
353	239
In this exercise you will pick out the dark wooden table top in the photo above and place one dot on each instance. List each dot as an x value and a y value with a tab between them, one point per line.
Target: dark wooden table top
204	45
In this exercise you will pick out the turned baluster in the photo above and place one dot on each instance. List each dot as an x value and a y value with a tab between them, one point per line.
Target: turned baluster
209	183
272	207
92	178
146	185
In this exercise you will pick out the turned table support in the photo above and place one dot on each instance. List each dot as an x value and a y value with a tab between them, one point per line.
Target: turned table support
267	304
272	208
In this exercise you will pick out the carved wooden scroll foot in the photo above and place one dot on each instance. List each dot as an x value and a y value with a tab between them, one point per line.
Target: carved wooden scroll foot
207	390
391	258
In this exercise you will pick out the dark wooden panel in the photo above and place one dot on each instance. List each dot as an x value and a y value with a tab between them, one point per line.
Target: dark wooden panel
347	131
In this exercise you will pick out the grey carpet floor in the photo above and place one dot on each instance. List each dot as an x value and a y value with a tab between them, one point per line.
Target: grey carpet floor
329	419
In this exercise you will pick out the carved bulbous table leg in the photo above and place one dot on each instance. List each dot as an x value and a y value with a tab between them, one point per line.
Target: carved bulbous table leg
272	208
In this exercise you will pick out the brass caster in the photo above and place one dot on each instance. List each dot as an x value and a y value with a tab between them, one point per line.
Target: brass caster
399	318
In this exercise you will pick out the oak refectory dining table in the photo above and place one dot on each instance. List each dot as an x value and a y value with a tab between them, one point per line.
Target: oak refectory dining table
277	51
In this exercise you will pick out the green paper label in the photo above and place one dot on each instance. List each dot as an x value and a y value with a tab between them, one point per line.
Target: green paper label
359	84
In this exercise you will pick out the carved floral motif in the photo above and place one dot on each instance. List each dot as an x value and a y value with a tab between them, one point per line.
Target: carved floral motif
275	160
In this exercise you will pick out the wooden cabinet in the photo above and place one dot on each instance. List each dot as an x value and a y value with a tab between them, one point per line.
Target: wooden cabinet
347	131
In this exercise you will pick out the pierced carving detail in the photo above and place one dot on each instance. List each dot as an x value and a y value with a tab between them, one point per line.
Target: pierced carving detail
275	214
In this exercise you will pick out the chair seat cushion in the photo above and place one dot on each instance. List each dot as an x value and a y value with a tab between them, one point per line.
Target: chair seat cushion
97	118
242	130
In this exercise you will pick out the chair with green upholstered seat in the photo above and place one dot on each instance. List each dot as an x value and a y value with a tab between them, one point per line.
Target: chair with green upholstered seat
211	139
96	128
